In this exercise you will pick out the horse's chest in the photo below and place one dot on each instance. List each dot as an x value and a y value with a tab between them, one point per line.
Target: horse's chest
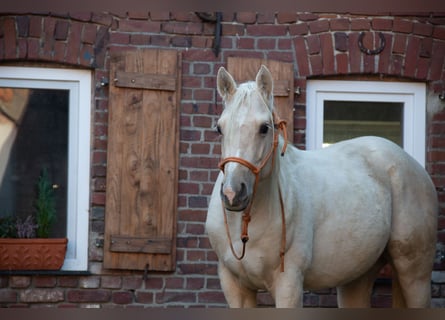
255	269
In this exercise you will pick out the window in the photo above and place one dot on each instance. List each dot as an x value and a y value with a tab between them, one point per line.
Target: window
45	123
339	110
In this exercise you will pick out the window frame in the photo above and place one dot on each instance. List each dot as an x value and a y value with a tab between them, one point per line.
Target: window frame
411	94
78	82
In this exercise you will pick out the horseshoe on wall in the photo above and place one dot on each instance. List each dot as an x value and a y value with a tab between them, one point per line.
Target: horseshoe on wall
371	51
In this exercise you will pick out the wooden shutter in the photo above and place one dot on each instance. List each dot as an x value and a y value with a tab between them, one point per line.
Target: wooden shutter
244	69
142	164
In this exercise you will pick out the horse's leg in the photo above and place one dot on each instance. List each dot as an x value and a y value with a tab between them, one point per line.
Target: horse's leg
412	285
236	295
398	301
288	289
357	293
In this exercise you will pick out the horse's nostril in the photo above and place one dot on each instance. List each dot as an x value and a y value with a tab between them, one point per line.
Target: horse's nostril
243	190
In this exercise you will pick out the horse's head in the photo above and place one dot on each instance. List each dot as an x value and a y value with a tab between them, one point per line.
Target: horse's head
247	134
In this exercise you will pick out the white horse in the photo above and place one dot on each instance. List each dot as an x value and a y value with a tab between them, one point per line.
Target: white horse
315	219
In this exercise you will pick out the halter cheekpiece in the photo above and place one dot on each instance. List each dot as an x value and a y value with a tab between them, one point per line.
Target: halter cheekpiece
256	170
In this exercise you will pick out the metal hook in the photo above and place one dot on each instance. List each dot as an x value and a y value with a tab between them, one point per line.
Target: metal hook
370	51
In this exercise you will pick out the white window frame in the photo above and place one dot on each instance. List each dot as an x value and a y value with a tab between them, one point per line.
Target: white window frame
78	82
411	94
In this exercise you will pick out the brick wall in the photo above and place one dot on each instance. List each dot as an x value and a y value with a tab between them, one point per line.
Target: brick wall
318	45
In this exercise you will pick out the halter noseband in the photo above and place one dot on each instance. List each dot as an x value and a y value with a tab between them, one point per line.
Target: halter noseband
256	170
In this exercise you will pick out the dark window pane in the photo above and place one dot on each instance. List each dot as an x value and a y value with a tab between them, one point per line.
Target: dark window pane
349	119
41	141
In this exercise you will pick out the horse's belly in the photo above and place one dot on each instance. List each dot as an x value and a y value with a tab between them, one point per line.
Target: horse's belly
348	245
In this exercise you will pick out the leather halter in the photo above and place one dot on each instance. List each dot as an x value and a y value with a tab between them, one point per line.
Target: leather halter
256	170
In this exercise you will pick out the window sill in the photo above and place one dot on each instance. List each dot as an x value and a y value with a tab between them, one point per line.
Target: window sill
43	273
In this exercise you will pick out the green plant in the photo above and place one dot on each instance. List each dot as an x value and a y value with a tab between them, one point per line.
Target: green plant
8	227
45	205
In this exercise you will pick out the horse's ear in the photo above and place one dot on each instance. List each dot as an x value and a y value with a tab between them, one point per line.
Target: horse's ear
264	81
225	84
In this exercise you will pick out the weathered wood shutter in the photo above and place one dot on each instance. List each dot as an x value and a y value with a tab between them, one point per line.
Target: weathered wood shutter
142	164
244	69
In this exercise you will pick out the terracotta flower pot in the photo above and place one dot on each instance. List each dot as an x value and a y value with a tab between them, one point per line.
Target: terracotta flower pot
32	254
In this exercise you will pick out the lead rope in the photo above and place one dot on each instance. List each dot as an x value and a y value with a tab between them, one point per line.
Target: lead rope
281	125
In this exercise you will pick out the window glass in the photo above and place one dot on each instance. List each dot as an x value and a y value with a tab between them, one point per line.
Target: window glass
36	121
349	119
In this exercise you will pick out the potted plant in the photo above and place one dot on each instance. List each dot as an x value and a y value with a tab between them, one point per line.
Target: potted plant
25	243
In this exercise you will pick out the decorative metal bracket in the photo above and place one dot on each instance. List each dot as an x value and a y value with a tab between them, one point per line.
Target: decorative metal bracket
216	18
371	51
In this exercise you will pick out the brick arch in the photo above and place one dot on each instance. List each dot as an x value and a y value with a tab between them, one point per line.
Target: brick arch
407	52
72	41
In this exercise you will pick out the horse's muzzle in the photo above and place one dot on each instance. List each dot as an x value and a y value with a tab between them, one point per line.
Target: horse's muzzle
235	200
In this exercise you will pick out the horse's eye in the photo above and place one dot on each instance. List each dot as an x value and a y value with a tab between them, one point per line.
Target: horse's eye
264	128
218	129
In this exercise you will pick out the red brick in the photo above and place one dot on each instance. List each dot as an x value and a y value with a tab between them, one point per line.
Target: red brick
285	44
354	54
412	54
35	26
175	296
287	17
132	282
122	297
342	63
8	296
10	37
73	49
153	283
395	66
301	56
45	281
139	26
188	28
399	44
194	283
59	51
42	295
423	29
246	17
381	24
313	44
266	30
88	295
368	63
327	52
266	44
68	281
308	16
360	24
61	30
384	57
437	60
339	24
319	26
185	16
102	18
160	40
22	25
86	55
33	48
404	26
211	297
298	29
89	33
341	41
232	29
316	65
439	32
426	47
144	297
266	17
